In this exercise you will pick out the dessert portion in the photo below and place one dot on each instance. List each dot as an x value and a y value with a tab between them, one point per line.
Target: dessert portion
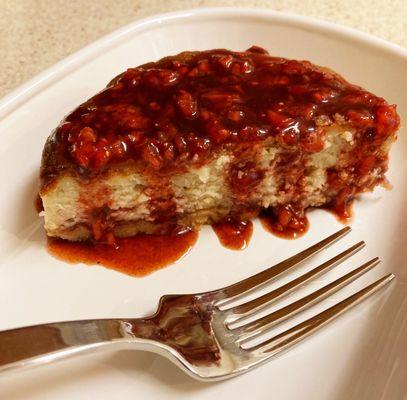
202	137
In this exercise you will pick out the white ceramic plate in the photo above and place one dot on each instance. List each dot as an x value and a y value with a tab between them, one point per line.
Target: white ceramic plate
363	355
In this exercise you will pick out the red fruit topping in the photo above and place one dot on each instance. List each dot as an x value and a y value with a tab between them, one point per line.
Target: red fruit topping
279	120
151	154
187	105
387	120
181	108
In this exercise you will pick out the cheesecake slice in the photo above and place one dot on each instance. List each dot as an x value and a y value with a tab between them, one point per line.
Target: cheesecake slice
204	136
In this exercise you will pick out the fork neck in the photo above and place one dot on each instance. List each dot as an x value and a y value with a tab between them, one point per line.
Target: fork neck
180	323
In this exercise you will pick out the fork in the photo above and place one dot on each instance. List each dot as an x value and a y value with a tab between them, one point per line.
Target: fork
206	334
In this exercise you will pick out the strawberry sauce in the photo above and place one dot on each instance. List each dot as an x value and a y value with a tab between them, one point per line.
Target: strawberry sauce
234	234
138	255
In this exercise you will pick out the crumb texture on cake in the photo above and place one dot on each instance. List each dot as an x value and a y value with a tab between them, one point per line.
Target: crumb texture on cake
203	136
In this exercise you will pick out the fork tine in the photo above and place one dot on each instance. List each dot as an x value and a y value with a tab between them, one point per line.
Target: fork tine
257	304
260	279
261	325
285	340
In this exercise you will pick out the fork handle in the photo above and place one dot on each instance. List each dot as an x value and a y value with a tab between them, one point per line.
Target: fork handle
41	344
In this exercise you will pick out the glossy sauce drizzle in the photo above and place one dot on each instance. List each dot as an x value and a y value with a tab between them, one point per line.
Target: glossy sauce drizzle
342	212
285	221
38	204
138	255
234	234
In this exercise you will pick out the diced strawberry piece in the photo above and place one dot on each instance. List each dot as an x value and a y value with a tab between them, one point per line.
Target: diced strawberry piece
187	105
361	118
119	148
387	120
87	135
278	120
151	154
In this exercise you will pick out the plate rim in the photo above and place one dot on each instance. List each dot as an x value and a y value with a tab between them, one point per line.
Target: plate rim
24	92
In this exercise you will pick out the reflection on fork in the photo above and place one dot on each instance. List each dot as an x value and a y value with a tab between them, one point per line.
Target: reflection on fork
212	335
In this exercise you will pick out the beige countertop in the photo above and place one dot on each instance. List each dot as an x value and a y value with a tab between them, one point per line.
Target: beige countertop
35	34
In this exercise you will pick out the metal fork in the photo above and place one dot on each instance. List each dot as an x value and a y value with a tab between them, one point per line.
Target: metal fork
204	334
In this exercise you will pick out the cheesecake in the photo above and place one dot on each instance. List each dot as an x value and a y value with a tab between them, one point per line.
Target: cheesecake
206	136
